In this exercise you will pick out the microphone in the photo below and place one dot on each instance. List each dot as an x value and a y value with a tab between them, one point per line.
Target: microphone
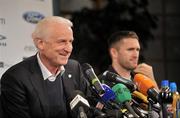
139	112
109	94
92	78
109	97
140	100
142	97
78	104
96	113
113	113
146	86
123	95
112	77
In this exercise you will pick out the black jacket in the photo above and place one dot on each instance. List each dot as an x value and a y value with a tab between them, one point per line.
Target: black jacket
23	93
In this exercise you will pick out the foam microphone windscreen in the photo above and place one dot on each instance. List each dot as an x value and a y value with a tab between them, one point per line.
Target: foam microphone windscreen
143	83
122	93
109	94
78	100
140	96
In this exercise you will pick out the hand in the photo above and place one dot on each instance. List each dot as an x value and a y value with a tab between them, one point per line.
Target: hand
146	70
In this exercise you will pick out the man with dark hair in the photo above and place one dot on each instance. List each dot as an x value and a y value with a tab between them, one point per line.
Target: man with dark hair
124	51
124	48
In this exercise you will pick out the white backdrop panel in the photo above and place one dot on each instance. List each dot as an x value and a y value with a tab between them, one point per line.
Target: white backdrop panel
15	31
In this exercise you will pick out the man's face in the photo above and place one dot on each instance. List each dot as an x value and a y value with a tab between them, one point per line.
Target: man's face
128	53
57	46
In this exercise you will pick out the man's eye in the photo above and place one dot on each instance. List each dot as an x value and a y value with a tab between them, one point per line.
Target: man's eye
62	41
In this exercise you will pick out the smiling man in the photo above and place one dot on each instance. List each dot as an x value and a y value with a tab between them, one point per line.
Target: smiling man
40	86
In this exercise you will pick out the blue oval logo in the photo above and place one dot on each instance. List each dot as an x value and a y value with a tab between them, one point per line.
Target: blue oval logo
33	17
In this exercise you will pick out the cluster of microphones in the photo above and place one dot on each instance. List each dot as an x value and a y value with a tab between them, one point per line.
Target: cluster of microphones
125	99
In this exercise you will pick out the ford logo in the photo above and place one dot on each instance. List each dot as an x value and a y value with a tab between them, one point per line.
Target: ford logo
33	17
2	37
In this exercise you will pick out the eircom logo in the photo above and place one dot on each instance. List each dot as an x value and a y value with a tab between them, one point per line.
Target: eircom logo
33	17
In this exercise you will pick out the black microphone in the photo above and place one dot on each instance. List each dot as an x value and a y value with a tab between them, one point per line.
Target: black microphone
113	77
113	113
92	78
96	113
79	104
139	112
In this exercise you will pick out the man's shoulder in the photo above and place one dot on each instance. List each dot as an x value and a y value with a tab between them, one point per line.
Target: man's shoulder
22	65
72	63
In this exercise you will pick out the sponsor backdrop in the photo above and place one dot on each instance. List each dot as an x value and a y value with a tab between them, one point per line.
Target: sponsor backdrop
17	21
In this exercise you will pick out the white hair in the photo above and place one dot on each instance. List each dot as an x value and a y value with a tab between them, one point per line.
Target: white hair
43	26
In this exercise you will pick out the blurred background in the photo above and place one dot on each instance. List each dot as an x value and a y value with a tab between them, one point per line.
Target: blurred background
157	23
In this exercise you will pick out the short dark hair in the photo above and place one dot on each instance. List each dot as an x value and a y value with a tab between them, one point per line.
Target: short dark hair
119	35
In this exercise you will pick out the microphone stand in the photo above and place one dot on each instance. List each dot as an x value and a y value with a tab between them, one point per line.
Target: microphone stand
81	113
150	105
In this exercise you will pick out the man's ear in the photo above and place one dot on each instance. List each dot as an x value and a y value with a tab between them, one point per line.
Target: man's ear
113	52
39	43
